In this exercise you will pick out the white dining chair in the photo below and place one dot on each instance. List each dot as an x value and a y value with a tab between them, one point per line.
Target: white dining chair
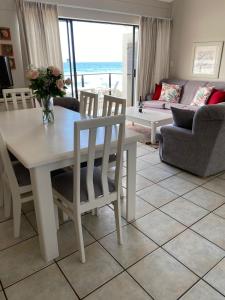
19	98
16	184
88	104
113	106
85	189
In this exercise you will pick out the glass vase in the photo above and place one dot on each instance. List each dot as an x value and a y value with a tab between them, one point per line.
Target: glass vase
47	110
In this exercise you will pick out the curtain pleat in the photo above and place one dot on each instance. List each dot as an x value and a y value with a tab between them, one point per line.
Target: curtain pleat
153	58
39	28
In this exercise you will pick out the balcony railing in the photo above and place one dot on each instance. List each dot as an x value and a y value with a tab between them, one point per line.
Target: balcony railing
107	82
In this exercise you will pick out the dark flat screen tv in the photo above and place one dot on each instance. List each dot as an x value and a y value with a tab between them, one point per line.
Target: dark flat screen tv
6	79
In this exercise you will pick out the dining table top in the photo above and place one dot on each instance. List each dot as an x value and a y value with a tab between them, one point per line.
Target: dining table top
36	144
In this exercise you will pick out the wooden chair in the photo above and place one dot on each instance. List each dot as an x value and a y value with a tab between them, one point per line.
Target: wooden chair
84	189
88	104
20	98
113	106
16	182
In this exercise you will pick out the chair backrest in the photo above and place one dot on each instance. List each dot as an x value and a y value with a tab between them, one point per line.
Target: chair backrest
88	104
113	106
20	98
7	168
107	131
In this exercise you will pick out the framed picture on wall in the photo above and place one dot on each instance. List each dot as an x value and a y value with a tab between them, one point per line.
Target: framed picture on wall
5	34
207	59
6	50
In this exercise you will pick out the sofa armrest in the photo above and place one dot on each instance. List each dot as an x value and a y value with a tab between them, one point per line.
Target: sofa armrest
177	133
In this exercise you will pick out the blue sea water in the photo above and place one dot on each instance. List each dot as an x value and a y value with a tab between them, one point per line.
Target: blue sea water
95	67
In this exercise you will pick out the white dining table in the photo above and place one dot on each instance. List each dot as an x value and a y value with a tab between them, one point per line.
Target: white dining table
44	148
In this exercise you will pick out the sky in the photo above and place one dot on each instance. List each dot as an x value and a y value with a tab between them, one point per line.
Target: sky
95	42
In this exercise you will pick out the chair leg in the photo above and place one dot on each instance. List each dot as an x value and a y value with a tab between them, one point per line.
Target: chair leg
1	193
7	199
17	205
79	234
56	216
117	211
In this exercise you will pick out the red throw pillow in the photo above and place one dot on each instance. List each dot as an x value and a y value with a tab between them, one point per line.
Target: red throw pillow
216	97
157	93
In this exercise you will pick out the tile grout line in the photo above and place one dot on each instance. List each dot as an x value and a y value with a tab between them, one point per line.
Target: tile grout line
67	279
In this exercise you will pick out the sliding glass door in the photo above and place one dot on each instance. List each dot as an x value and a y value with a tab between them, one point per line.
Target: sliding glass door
99	57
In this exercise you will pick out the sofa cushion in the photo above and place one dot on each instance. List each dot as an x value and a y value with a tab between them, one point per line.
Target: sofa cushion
202	95
154	104
157	92
183	117
170	92
216	97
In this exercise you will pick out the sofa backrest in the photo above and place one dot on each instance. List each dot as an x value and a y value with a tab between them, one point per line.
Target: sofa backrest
190	87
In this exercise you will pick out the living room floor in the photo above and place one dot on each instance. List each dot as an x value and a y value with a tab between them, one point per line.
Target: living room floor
175	249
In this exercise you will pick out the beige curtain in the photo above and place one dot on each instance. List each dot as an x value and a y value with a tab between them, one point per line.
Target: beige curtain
39	31
154	49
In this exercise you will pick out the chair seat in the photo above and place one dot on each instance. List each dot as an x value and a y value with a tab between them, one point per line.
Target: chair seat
98	161
63	184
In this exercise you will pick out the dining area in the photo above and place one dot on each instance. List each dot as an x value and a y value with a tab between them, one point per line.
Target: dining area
64	162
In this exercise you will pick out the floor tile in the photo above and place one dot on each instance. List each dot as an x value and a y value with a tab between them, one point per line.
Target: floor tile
99	268
100	225
216	277
142	151
168	168
162	276
135	246
46	284
156	195
194	251
178	185
2	215
205	198
213	228
67	239
20	261
141	164
216	185
202	291
152	158
142	208
220	211
194	179
159	227
155	174
141	182
2	297
184	211
7	236
123	287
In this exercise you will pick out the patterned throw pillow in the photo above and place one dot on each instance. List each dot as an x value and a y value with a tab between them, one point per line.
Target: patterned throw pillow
202	95
170	93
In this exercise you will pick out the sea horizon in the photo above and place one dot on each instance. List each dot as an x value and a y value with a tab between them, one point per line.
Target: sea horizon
95	67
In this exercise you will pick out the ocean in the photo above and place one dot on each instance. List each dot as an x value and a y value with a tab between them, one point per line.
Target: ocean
96	74
95	67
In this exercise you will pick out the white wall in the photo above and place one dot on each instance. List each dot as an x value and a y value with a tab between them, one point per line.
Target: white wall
152	8
8	18
195	21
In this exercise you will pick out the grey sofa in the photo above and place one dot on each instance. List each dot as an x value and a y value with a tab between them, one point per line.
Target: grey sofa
201	150
188	92
67	102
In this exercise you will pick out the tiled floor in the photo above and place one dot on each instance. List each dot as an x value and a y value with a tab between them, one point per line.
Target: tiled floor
175	249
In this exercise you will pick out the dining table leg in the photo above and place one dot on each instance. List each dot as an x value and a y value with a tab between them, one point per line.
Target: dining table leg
44	209
131	181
